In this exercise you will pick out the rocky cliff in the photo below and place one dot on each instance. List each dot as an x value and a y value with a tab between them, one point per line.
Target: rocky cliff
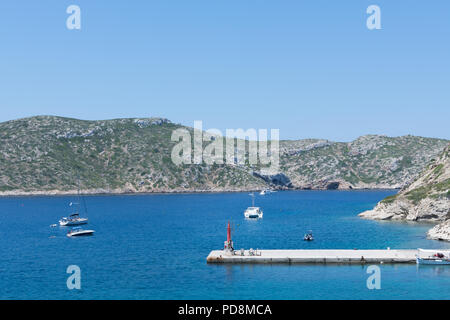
427	198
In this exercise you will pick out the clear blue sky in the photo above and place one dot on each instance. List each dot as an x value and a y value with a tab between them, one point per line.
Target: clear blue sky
310	68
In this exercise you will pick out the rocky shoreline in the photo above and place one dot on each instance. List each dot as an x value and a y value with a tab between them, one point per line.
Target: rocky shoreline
426	199
93	192
100	192
440	232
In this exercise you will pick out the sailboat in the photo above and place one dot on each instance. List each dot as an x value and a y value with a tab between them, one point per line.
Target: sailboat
253	212
74	219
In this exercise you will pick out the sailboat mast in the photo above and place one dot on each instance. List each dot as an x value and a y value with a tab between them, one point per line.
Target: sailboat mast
80	198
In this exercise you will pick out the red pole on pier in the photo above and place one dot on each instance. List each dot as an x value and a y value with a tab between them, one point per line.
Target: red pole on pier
228	233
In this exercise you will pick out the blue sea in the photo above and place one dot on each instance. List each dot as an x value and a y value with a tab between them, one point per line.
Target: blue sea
155	247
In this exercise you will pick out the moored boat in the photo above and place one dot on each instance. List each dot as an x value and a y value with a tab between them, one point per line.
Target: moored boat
253	212
308	236
433	257
79	232
73	220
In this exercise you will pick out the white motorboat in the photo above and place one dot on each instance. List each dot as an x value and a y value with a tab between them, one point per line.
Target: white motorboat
253	212
263	192
433	257
73	220
79	232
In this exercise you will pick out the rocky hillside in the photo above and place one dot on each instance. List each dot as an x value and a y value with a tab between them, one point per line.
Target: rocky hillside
48	154
425	199
45	155
370	161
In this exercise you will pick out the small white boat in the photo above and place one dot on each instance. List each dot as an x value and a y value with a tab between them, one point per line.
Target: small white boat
78	232
308	236
433	257
73	220
266	191
253	212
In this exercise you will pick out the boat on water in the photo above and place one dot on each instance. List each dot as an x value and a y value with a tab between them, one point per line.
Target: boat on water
73	220
266	191
433	257
308	236
253	212
79	232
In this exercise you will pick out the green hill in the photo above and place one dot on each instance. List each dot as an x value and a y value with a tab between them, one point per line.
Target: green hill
46	154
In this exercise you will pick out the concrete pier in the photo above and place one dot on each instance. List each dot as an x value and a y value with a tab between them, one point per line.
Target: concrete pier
313	256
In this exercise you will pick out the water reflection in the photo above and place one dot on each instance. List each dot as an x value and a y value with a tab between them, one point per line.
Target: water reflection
432	271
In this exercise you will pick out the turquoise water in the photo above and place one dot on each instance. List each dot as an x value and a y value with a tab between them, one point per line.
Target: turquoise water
155	247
